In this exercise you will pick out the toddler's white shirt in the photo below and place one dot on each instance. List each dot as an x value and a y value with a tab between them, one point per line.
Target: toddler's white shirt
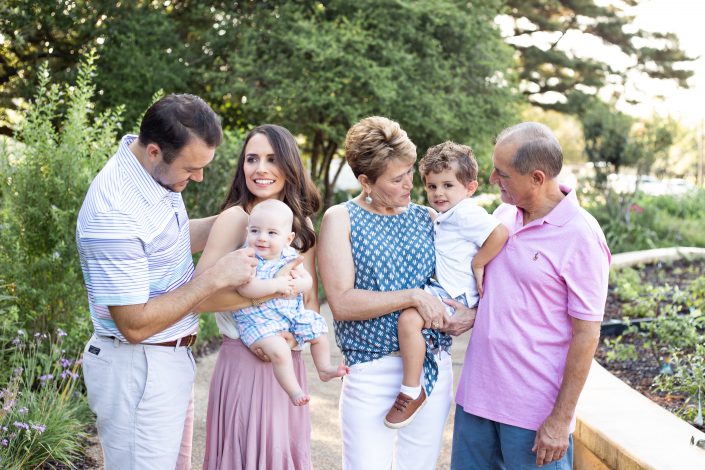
459	233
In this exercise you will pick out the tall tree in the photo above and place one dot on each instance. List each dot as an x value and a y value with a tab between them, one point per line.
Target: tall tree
555	77
35	32
606	132
141	48
437	67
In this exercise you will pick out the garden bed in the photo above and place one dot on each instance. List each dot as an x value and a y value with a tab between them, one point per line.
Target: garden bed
670	282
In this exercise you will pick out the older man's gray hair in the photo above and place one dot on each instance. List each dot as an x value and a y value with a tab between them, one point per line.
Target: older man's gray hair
537	148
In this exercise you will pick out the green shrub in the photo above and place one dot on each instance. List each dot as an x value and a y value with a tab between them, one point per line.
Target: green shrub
59	147
634	222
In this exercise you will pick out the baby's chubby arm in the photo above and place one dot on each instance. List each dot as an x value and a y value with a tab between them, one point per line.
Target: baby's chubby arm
491	248
257	288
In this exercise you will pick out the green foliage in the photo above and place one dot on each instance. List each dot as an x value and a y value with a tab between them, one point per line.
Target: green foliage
626	225
439	68
133	65
59	151
688	378
674	339
649	142
606	133
548	67
43	418
627	282
207	330
634	222
143	46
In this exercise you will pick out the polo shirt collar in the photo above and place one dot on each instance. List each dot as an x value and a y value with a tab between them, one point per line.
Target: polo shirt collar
447	214
565	210
144	182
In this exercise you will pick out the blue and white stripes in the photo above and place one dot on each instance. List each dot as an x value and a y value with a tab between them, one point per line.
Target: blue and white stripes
133	241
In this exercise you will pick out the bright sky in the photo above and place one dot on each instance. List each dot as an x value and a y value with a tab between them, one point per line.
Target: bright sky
687	19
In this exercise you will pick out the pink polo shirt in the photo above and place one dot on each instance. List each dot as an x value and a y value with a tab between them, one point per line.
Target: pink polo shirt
550	270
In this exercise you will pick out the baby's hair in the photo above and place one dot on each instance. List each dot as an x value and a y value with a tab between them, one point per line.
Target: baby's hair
442	156
275	205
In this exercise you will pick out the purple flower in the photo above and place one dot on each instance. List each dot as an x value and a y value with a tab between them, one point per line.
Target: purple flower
46	377
21	333
64	362
23	410
21	425
17	341
40	336
68	373
8	405
17	371
39	427
60	333
4	443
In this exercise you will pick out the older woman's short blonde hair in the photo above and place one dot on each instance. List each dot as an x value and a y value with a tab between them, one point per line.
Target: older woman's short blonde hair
375	141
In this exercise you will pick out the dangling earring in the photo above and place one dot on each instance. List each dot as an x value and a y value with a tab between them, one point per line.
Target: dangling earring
368	199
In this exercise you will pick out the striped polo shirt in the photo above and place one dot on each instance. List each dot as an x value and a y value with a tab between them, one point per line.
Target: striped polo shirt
133	242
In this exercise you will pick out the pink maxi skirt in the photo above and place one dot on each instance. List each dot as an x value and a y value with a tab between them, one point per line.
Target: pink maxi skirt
251	423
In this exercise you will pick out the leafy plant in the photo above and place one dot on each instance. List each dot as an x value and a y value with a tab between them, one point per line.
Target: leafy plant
58	149
688	377
43	418
674	338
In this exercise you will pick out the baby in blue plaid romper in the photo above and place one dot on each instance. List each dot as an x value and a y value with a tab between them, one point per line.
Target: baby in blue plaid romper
269	233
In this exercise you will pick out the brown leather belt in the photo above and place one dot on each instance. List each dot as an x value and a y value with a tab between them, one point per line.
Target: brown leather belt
186	341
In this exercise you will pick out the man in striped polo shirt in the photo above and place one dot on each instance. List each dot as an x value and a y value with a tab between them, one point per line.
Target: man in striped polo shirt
135	242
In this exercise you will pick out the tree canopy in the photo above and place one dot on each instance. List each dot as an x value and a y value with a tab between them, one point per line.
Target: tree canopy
436	67
554	76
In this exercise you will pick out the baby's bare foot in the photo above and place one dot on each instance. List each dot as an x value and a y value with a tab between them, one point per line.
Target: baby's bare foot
333	372
300	399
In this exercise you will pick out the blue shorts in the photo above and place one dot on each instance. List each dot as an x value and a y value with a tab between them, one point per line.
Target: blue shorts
480	443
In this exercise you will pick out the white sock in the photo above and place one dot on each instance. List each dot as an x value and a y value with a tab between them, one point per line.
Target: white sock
412	392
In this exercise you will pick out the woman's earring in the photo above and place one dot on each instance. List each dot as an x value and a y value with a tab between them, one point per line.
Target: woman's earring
368	199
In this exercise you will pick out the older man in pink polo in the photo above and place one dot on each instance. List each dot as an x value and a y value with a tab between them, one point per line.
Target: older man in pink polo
538	323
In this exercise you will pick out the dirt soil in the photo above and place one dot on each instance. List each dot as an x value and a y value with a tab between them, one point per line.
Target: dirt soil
640	373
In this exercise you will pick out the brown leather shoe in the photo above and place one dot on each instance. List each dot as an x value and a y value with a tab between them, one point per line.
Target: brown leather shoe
404	410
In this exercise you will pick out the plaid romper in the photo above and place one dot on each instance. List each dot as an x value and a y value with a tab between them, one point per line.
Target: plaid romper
279	314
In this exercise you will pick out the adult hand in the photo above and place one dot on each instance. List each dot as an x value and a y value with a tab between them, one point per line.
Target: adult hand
290	340
285	285
462	320
290	267
430	308
551	442
237	267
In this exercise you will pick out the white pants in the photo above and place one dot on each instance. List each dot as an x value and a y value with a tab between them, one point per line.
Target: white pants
367	395
140	395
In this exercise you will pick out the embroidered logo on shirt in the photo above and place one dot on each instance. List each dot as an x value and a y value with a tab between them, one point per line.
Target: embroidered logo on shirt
536	256
93	350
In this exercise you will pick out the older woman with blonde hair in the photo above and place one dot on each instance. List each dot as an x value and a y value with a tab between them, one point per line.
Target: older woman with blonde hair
375	255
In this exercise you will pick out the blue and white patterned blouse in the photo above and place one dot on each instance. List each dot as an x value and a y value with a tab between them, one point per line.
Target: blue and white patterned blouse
390	252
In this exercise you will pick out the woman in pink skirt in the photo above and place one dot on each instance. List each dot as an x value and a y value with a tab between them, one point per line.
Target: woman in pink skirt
251	423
